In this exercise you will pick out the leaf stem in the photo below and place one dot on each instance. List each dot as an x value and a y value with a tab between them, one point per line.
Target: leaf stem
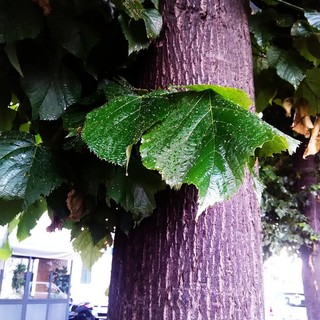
290	5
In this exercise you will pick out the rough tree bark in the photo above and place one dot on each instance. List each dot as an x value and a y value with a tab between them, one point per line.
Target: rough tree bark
310	255
172	267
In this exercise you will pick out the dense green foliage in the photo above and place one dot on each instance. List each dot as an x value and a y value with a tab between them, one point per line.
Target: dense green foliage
286	49
79	140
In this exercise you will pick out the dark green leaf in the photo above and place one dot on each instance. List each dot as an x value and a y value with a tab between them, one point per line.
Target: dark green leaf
51	90
134	33
135	191
29	219
27	170
153	22
301	29
287	64
19	20
73	34
9	209
309	89
7	117
301	44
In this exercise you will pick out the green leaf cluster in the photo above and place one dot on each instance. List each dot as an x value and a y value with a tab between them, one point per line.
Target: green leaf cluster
283	223
286	50
80	141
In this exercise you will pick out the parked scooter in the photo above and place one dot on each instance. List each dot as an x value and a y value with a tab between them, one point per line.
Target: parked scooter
81	312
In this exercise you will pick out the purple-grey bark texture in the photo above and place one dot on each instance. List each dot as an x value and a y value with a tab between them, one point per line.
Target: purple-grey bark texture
172	267
310	255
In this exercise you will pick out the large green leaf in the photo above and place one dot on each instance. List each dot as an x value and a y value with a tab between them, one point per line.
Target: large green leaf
19	19
196	137
113	128
51	89
27	170
287	64
207	141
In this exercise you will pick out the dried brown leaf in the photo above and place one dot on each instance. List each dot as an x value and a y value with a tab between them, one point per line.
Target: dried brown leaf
287	106
301	121
76	205
44	5
314	142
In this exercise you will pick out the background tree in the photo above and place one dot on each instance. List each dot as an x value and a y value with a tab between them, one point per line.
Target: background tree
80	141
286	50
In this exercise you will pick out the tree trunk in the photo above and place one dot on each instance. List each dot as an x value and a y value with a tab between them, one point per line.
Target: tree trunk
171	266
307	171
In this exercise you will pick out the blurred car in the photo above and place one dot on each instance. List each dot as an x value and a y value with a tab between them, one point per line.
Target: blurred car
100	311
286	306
41	290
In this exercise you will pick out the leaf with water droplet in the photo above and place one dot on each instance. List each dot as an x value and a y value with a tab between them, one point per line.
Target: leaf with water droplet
195	137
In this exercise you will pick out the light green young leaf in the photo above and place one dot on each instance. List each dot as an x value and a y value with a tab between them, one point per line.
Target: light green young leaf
89	252
5	250
235	95
287	65
27	170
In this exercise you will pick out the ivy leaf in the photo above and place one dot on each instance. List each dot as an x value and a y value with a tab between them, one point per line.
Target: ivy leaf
51	89
207	141
313	18
19	20
198	138
5	250
27	170
287	65
135	191
28	219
